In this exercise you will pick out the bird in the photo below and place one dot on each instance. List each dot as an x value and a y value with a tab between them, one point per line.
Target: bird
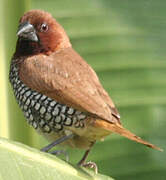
58	91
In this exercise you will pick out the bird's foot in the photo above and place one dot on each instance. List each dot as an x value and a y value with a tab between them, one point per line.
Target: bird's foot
59	152
90	165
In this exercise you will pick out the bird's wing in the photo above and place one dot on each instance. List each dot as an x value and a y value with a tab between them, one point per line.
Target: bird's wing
104	95
65	77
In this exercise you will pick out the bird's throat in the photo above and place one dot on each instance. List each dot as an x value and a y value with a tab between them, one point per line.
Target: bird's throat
27	48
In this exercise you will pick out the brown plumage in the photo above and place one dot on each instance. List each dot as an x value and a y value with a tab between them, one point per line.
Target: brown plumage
46	63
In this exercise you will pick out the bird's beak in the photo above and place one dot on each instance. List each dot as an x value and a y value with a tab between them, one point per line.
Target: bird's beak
27	31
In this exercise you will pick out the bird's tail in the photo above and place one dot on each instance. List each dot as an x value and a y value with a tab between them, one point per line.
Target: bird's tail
117	128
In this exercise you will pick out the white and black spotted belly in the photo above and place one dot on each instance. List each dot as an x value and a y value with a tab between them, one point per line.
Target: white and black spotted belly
41	111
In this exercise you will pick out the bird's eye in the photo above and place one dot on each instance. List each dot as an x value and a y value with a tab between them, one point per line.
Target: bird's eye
44	27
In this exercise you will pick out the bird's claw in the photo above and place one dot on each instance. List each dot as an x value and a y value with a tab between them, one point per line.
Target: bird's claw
90	165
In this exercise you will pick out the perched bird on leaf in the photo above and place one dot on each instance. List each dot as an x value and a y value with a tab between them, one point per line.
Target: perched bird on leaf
59	93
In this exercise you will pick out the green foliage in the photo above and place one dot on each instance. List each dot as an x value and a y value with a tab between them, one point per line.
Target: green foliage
125	42
3	96
22	162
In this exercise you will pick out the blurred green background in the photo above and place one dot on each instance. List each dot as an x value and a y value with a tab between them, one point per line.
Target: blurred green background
124	41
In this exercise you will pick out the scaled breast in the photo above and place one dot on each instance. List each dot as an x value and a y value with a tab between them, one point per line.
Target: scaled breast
41	111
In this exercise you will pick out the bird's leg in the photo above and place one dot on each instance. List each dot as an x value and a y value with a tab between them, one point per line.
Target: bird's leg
58	141
82	161
88	164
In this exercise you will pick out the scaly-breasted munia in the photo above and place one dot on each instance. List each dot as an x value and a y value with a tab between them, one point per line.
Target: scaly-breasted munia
59	93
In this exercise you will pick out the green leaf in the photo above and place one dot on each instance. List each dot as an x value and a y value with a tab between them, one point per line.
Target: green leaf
20	162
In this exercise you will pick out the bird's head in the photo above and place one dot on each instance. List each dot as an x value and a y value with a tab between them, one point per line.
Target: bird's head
39	32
